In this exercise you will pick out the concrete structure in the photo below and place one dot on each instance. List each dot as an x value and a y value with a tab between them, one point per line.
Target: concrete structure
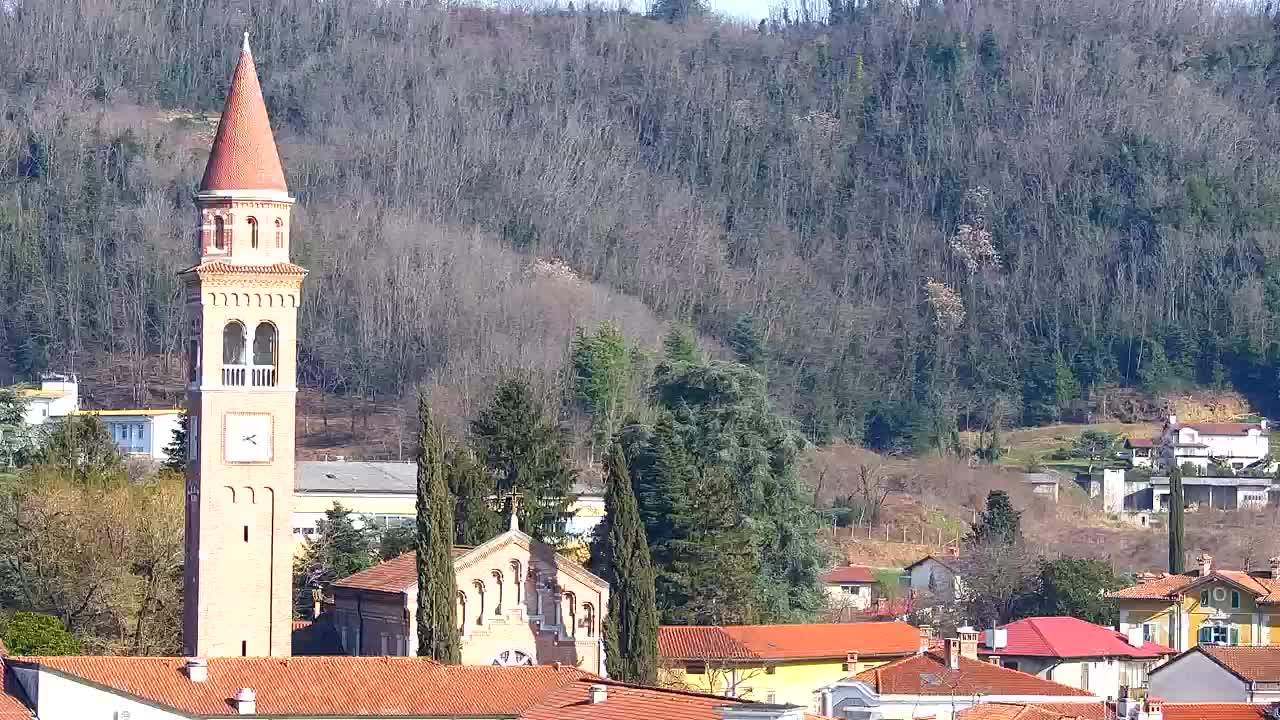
851	587
242	301
1140	452
940	683
57	397
777	663
1044	484
1075	653
1217	493
1213	673
1236	446
519	603
1205	606
940	577
145	433
385	495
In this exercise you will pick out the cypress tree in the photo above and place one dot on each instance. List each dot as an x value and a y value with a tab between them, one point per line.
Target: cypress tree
437	586
1176	504
631	628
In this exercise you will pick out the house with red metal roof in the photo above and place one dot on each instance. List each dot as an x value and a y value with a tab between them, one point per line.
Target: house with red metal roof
939	683
1074	652
1220	673
777	663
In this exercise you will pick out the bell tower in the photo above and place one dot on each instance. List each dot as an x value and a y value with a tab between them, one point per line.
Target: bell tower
242	301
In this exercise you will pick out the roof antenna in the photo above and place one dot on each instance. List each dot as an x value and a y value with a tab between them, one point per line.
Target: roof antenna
245	48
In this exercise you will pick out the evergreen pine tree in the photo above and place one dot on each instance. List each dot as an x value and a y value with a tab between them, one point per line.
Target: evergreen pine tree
474	519
176	450
525	452
631	628
999	522
437	587
1177	558
679	346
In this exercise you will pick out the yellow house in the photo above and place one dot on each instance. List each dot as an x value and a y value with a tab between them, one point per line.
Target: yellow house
777	663
1207	605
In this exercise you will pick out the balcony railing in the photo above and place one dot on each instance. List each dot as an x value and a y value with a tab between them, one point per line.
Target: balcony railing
249	375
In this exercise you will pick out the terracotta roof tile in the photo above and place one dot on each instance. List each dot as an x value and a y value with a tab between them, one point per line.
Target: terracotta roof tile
787	642
244	154
324	686
1068	637
1254	664
1219	428
851	574
1166	587
222	266
1088	711
11	705
392	576
1139	442
626	702
1014	711
929	674
1214	711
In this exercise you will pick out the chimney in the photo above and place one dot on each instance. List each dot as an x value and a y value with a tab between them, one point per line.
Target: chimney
1275	567
953	653
246	701
1134	636
926	638
1205	561
968	642
759	711
197	669
599	693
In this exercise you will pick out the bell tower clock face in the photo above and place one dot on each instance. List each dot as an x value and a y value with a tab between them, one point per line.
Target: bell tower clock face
247	438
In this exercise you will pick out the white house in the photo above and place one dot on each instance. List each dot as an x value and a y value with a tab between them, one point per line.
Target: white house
852	586
57	397
139	432
1235	445
1220	673
939	576
1139	451
939	683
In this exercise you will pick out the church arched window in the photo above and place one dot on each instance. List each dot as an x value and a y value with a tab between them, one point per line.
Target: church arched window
589	619
233	343
279	233
462	612
479	586
264	355
253	232
219	233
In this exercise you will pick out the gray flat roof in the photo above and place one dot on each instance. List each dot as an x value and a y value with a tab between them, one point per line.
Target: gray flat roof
1218	481
392	478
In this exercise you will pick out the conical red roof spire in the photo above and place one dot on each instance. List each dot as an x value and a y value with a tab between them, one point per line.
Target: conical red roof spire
244	153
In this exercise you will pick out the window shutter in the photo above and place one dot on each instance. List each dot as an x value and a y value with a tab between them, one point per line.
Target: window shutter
1205	635
1235	598
1234	635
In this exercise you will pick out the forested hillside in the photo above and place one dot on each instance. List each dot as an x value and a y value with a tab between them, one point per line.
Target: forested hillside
916	217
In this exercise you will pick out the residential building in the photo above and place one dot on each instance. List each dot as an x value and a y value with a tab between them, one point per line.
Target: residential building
385	494
1237	446
777	663
1074	652
1140	452
939	683
940	577
1138	709
519	603
57	397
1204	606
1216	673
312	688
853	586
141	433
242	299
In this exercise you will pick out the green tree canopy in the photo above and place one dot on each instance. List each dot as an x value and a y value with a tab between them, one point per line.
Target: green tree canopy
339	550
29	633
1075	587
601	374
474	517
176	450
437	586
1096	446
999	522
82	444
631	626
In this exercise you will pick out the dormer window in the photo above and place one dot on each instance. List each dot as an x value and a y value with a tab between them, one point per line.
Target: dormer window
253	232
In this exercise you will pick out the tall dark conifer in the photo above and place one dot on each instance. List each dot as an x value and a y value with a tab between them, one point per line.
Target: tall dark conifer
631	628
474	518
437	587
1177	558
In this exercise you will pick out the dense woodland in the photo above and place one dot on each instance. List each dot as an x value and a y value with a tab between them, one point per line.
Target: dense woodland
912	217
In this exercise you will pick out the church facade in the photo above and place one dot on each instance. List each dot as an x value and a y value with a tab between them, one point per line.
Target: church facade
519	603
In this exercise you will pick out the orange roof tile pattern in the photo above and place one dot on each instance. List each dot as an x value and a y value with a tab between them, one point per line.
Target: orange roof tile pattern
1168	587
787	642
1012	711
222	266
626	702
1254	664
929	674
324	686
1214	711
1220	428
391	576
851	574
244	154
1068	637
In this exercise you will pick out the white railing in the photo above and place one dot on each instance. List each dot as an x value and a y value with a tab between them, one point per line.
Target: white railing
251	375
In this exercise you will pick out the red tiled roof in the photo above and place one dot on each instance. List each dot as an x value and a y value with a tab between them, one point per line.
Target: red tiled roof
244	154
1167	587
1017	711
1087	711
395	575
1140	442
11	705
301	624
1068	637
222	266
626	702
787	642
324	686
1219	428
929	674
851	574
1252	664
1214	711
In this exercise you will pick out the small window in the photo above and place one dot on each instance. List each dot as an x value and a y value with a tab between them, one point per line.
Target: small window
219	234
1011	664
246	533
253	232
244	648
1148	632
279	233
1235	598
1204	597
696	669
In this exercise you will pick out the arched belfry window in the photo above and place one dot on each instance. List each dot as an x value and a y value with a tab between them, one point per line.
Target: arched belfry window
253	232
234	353
219	233
279	233
264	355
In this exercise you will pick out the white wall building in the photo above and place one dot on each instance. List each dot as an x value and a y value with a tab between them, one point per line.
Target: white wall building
144	433
1234	445
57	397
